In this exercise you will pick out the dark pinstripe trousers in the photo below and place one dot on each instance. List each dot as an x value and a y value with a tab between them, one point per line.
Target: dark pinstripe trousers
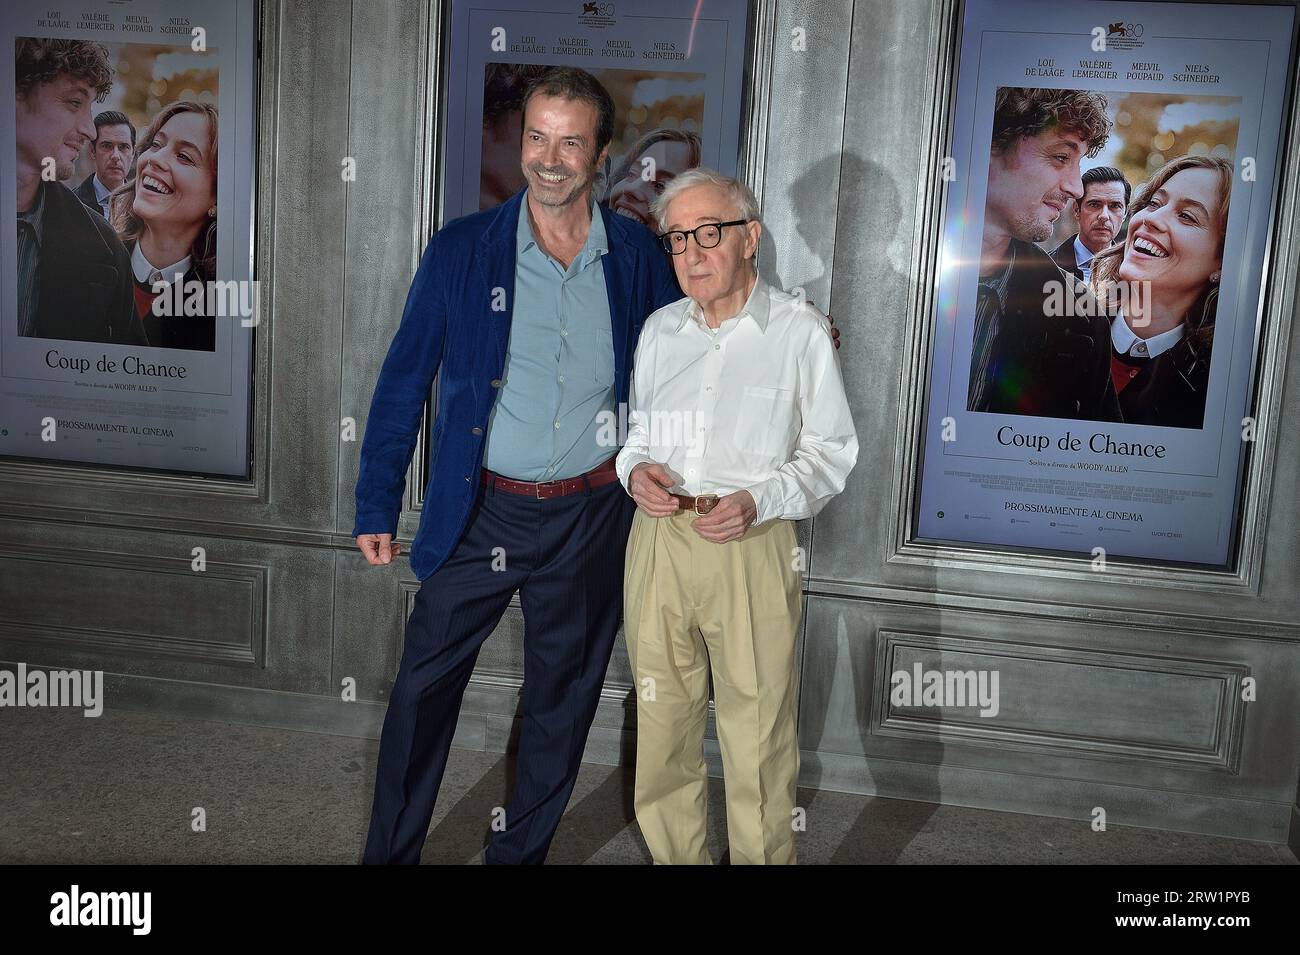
564	556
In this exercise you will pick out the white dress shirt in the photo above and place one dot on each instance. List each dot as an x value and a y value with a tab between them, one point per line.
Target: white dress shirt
1126	343
1083	258
756	405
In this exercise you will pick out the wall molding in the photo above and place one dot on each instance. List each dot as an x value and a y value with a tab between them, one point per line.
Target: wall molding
1222	684
253	579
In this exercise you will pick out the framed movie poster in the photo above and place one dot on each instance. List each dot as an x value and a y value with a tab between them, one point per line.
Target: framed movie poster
1094	345
129	304
675	69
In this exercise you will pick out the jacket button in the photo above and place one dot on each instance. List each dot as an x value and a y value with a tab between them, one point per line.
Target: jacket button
476	431
496	382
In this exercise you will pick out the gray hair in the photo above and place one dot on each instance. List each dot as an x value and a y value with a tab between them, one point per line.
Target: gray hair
740	195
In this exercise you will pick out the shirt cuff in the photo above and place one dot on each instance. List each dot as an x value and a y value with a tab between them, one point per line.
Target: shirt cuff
627	461
767	500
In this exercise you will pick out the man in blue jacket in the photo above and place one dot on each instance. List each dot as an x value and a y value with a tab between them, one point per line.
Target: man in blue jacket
531	311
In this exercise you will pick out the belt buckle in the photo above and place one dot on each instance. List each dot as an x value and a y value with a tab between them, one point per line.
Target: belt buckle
537	489
705	503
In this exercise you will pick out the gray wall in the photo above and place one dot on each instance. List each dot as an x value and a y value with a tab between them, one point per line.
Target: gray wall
1119	690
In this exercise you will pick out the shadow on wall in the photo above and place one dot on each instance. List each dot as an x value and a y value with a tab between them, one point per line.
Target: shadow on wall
854	276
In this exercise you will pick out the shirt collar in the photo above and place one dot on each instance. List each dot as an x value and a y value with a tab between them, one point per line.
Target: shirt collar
758	307
597	243
1082	255
102	191
146	273
1126	343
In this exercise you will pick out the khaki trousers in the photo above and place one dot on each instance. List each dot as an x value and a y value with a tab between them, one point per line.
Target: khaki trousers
691	605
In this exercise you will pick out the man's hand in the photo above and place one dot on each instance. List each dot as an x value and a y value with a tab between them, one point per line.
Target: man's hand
379	548
729	519
647	483
835	332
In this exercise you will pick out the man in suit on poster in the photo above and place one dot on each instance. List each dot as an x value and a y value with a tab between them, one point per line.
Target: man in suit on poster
1101	214
112	150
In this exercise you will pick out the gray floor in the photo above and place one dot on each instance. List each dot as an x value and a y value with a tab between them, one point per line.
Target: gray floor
125	787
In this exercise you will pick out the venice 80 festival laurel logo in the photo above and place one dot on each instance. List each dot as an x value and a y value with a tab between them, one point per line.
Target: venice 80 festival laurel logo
598	13
1124	36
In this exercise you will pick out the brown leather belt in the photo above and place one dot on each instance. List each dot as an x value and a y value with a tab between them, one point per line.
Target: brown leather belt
700	504
598	476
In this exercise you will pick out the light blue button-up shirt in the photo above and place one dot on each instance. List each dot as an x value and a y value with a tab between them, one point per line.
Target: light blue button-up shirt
547	423
1083	258
102	192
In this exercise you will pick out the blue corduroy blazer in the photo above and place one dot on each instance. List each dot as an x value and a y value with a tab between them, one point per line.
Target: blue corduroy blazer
457	322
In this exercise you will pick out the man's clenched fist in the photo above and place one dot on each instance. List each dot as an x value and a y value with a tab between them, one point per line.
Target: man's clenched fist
379	548
729	519
647	484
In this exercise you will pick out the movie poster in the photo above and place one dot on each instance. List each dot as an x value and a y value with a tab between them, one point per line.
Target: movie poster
1110	192
129	305
675	70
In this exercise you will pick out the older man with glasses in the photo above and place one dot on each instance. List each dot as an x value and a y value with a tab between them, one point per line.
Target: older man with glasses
739	426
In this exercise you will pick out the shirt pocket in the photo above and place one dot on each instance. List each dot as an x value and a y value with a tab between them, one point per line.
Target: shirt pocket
764	422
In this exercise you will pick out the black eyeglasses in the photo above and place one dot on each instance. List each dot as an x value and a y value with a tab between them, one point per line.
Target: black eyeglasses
706	236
